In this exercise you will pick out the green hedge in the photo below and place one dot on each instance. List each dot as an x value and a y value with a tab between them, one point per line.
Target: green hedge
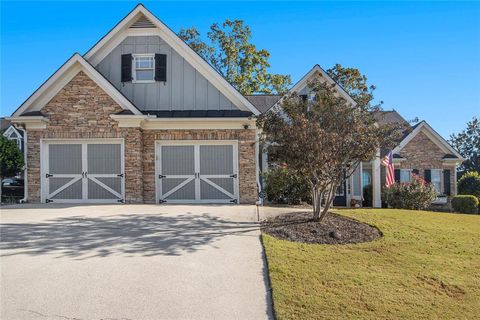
286	188
414	195
465	204
469	184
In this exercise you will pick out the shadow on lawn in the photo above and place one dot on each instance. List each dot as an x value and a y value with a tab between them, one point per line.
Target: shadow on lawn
131	235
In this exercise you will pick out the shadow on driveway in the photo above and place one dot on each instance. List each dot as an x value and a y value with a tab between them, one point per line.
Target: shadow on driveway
85	237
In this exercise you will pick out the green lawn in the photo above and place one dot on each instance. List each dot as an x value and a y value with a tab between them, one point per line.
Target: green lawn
426	266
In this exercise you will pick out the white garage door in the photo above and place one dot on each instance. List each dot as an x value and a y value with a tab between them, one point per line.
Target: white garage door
75	171
197	172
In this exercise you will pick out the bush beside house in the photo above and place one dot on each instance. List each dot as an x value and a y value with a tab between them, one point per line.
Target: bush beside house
284	187
465	204
414	195
469	183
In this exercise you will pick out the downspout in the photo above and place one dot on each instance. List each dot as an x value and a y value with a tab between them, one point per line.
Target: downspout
257	166
25	175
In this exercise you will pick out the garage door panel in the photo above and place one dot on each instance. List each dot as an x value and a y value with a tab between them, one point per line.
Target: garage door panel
71	192
178	160
216	159
209	192
65	159
104	159
185	192
97	191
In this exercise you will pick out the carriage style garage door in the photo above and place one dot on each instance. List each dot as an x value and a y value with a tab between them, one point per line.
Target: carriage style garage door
75	171
197	172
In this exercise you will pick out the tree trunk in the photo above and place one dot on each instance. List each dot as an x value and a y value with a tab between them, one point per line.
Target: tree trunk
317	196
328	202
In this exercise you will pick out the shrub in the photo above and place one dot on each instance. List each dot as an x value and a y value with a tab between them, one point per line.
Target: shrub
465	204
469	184
414	195
367	195
285	187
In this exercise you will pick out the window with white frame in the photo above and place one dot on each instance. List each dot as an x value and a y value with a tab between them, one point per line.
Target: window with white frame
143	68
436	179
405	175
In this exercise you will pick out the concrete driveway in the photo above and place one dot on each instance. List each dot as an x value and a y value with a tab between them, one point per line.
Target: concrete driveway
132	262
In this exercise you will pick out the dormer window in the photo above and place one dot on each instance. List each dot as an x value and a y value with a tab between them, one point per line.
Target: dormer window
143	68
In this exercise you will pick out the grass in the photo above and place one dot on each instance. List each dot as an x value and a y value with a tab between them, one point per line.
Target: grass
426	266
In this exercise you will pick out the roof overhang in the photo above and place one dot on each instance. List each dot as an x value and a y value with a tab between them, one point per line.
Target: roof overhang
153	123
63	76
30	122
435	138
113	38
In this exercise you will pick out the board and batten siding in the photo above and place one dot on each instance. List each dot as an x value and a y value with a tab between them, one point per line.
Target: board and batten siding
185	88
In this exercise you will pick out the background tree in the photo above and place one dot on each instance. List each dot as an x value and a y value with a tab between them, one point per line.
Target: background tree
11	159
467	143
229	50
324	140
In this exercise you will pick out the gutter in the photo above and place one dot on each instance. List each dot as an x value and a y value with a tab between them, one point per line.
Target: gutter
25	175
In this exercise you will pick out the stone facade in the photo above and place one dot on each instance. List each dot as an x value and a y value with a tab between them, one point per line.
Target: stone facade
81	110
422	153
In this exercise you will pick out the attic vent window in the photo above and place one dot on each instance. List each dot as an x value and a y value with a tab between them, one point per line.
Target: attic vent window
142	22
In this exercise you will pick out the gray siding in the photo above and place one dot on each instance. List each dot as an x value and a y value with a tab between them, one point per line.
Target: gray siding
185	89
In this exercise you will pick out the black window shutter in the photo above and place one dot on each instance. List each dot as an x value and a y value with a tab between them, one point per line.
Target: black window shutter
160	67
415	171
446	182
428	175
397	175
126	67
303	97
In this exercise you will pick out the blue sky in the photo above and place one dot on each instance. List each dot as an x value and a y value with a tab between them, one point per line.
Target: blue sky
424	57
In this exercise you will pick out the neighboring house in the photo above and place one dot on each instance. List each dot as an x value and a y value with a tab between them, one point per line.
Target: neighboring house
142	118
12	133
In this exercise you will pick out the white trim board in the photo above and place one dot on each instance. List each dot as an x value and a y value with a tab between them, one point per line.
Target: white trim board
65	74
434	137
121	31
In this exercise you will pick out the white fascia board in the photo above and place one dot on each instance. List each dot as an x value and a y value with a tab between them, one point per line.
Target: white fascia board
63	76
434	137
120	32
9	131
303	82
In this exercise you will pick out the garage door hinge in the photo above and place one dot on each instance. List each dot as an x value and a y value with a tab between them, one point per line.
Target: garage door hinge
48	175
233	201
233	175
162	201
161	176
48	200
120	175
121	200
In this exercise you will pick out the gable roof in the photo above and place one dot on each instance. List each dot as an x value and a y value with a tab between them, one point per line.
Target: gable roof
263	102
60	78
129	26
423	126
388	117
11	129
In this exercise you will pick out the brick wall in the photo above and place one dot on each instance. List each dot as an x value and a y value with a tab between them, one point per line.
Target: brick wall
246	157
81	110
422	153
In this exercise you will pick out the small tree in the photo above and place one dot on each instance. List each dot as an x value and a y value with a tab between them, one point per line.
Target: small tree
11	159
324	140
231	53
469	184
467	143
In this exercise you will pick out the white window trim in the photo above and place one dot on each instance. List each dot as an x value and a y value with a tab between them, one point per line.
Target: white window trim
441	191
134	67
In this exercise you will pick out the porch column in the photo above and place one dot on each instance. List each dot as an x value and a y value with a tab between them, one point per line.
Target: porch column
376	182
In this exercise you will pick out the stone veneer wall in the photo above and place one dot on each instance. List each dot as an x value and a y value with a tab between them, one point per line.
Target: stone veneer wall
81	110
422	153
246	155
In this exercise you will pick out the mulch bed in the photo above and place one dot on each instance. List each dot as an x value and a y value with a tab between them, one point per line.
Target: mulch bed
334	229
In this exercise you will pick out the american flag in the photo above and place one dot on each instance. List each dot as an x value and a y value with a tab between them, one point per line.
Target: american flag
388	163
